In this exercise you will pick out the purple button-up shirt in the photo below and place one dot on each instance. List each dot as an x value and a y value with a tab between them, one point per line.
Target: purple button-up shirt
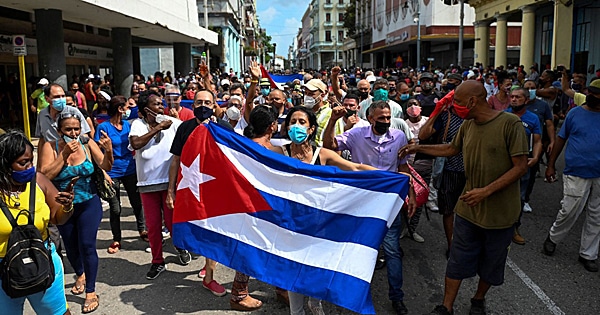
368	148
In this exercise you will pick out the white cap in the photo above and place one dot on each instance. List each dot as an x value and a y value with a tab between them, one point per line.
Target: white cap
471	74
105	95
91	76
233	113
225	82
43	81
371	78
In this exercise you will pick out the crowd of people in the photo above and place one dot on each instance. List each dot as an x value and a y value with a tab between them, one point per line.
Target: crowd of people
477	136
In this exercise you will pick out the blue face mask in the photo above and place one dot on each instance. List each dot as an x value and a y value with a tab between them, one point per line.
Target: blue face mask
69	139
491	81
126	114
531	94
298	133
289	99
247	85
59	103
22	177
380	95
404	97
265	92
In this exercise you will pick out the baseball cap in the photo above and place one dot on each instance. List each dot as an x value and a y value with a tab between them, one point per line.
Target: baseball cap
371	78
43	81
264	81
225	82
316	84
594	87
455	76
470	74
91	76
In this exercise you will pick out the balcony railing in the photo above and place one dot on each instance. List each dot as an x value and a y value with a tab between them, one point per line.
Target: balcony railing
328	6
328	24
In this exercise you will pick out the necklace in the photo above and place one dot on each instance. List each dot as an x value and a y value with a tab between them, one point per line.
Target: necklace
14	195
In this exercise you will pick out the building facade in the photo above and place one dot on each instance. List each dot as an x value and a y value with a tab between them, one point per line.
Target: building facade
326	33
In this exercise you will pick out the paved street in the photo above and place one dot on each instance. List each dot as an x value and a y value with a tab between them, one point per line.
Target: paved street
535	283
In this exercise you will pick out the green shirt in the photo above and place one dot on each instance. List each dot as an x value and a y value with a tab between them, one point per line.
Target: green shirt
487	151
41	99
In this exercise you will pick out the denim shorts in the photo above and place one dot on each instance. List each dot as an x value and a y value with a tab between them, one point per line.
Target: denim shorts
51	302
480	251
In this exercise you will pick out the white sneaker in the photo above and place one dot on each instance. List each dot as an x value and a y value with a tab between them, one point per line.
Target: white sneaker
527	207
418	238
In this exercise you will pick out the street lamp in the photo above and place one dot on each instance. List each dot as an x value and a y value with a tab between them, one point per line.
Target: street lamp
417	19
335	57
274	54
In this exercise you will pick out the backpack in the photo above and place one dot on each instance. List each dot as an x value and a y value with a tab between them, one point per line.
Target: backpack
27	267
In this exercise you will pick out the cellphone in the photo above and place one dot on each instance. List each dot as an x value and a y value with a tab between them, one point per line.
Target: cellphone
560	68
72	183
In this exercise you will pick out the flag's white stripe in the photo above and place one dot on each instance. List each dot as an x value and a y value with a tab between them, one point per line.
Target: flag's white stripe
304	249
320	194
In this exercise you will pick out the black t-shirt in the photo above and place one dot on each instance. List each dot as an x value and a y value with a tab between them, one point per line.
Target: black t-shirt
185	130
428	102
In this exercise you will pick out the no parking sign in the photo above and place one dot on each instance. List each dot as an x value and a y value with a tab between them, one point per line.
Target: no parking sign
19	46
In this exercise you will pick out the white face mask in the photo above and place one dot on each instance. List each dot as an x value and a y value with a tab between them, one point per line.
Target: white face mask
69	139
309	102
160	118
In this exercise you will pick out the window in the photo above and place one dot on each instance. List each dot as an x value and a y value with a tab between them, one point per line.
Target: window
547	26
582	39
341	2
327	17
328	36
341	17
340	36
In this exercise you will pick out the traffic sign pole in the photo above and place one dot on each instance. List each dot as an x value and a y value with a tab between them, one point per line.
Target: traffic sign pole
24	97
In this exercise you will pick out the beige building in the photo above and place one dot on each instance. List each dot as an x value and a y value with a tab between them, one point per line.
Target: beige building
326	34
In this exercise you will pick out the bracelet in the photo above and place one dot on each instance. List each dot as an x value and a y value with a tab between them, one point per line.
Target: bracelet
253	81
67	211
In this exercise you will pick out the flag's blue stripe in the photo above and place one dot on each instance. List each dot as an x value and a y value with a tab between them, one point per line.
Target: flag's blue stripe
381	181
338	288
310	221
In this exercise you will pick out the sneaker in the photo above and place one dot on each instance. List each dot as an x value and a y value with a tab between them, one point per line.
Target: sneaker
432	205
527	208
165	233
517	238
202	273
184	257
417	238
380	262
549	246
399	307
589	265
215	288
441	310
155	270
477	307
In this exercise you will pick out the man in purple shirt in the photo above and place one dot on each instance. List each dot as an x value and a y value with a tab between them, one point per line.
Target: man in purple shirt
378	145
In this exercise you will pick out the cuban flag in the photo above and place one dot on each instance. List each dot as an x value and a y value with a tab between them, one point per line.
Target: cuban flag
310	229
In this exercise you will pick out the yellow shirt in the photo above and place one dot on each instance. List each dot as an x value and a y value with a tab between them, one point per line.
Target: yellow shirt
42	215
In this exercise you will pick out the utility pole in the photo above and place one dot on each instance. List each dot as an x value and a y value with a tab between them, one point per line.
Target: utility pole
461	33
360	55
274	55
417	19
206	26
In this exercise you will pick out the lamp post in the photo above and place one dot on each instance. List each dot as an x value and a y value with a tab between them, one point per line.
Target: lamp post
417	19
335	50
274	54
360	57
461	33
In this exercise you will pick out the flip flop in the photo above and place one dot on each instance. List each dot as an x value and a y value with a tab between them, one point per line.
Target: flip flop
77	290
88	303
114	248
144	236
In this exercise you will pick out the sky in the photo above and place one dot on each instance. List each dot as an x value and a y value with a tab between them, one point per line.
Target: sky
281	19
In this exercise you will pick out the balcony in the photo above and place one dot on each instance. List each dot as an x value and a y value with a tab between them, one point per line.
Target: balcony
341	5
339	24
328	6
328	24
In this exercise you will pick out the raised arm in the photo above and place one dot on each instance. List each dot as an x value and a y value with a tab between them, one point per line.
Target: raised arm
335	83
104	160
329	140
255	75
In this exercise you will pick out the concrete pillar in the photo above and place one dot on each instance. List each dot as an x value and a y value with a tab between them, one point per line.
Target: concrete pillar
527	36
501	40
123	59
182	55
482	42
561	40
51	48
137	65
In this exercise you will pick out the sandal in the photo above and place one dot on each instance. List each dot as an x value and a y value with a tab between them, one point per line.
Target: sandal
78	289
89	305
144	236
114	248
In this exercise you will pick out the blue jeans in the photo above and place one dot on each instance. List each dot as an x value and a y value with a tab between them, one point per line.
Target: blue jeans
393	256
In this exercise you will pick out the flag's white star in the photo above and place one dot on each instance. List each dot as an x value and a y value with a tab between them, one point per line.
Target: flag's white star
192	178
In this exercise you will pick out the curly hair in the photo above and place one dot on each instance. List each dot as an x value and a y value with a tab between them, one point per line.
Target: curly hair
13	144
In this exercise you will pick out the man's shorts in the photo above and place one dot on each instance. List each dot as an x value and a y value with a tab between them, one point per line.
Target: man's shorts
451	188
480	251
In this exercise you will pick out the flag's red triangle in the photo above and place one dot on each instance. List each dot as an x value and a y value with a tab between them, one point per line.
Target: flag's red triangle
266	74
229	192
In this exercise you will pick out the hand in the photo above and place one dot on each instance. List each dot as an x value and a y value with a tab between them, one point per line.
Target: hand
65	198
407	150
165	124
32	108
411	207
531	162
550	147
550	174
170	200
474	196
337	113
69	149
173	113
333	100
105	142
254	70
335	71
352	120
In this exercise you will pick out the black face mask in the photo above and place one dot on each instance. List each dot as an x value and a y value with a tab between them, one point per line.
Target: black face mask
517	108
382	128
450	86
576	86
350	112
203	113
592	101
363	95
392	88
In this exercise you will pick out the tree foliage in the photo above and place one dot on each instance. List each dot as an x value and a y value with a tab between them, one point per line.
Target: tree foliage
350	19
